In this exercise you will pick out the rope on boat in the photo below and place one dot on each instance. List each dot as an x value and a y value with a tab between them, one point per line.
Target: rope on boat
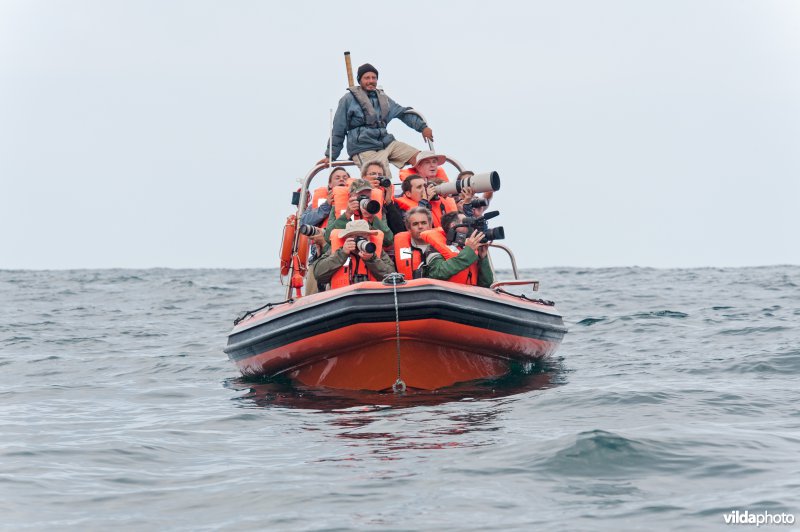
394	279
247	313
526	298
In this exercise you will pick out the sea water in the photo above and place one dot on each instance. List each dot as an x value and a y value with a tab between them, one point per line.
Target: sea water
673	403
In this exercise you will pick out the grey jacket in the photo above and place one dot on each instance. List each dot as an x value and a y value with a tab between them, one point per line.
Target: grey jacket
351	122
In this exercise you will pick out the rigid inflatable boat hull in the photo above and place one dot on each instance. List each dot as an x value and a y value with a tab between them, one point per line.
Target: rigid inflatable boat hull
347	338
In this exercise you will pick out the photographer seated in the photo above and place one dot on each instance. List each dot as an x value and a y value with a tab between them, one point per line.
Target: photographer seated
360	204
409	247
417	192
319	209
428	165
458	254
356	255
317	215
380	178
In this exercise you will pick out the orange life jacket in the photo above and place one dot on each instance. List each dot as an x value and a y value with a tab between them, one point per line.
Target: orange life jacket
407	258
438	208
405	203
320	196
341	197
437	239
344	275
440	173
442	207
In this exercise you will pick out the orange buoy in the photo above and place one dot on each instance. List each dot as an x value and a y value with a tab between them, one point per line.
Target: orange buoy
287	243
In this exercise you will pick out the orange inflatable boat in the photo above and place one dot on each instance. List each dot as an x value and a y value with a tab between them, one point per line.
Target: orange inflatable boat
424	334
396	334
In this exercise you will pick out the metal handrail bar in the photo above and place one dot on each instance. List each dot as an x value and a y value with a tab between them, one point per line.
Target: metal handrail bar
511	256
301	207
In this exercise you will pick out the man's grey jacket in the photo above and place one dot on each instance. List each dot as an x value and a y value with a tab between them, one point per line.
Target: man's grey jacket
351	121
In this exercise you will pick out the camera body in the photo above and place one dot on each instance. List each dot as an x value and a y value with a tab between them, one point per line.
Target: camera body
476	224
384	181
458	238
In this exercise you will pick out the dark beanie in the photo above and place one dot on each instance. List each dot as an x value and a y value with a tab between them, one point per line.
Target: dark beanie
363	69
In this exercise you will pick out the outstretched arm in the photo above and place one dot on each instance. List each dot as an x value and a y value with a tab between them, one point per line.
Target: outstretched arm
316	216
412	120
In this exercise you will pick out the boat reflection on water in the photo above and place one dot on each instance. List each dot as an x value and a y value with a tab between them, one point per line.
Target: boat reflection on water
386	426
284	393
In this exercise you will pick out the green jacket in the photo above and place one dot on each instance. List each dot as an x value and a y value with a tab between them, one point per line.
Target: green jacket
439	268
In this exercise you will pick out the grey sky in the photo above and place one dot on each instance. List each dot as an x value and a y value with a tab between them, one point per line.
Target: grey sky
153	133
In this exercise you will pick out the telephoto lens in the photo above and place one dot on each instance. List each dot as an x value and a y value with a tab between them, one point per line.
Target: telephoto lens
478	183
368	205
363	244
384	181
309	230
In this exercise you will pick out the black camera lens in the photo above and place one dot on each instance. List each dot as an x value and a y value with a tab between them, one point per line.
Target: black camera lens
366	204
384	181
495	233
477	203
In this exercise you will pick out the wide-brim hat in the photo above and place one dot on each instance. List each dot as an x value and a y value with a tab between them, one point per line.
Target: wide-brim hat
357	227
421	156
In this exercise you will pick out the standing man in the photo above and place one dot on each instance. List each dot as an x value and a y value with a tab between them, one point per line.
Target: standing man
362	117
